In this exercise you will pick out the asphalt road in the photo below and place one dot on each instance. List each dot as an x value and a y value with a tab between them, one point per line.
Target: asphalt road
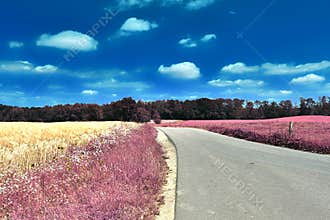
221	177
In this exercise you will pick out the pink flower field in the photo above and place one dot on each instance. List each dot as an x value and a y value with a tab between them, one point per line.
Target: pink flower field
116	176
310	133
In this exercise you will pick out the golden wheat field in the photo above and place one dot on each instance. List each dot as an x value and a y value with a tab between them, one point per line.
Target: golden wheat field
25	145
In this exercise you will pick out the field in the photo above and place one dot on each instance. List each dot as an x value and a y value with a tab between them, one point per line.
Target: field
83	170
310	133
26	145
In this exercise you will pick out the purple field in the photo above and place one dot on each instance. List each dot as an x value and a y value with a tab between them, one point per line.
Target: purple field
116	176
310	133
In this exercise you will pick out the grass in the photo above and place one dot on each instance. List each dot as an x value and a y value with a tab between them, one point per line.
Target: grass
117	175
27	145
310	133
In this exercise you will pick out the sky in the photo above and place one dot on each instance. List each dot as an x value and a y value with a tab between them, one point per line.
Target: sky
64	52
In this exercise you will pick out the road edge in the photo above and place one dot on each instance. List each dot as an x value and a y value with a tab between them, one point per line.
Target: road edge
167	210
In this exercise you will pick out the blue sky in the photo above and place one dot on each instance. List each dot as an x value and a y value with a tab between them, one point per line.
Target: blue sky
100	51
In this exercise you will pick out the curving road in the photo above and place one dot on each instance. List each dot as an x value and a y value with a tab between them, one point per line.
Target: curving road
221	177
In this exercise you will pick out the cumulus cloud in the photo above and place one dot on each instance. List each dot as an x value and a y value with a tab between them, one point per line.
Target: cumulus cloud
68	40
239	68
238	82
188	42
134	24
208	37
277	69
185	70
89	92
25	66
308	79
15	44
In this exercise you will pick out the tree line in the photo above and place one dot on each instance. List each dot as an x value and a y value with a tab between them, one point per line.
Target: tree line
128	109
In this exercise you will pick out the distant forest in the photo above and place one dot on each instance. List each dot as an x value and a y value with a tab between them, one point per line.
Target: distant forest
128	109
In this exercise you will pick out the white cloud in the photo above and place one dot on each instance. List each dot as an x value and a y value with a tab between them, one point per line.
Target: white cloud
286	92
192	97
198	4
249	83
185	70
239	68
256	92
16	66
115	84
89	92
46	69
25	66
283	69
238	82
277	69
188	42
308	79
126	4
15	44
68	40
133	24
208	37
188	4
221	83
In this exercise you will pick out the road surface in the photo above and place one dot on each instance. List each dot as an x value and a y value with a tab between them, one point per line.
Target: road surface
221	177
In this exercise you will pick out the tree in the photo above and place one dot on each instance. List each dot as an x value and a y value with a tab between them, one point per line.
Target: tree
125	109
128	109
156	117
250	112
286	108
142	115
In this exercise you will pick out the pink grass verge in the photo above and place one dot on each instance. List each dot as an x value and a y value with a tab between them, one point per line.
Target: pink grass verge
310	133
113	177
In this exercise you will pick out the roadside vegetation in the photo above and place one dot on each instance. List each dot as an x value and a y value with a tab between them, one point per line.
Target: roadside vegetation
116	173
309	133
